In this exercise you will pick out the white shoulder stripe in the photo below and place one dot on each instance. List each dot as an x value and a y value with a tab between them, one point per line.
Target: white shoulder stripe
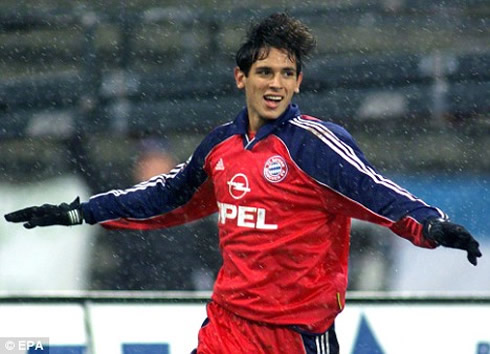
347	153
340	149
329	139
152	182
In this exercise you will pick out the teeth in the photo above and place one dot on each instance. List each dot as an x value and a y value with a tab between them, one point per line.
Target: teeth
273	98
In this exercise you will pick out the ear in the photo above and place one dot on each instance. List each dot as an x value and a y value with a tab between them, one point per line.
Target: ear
298	82
240	78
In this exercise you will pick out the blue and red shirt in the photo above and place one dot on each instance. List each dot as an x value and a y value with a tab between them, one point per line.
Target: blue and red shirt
284	199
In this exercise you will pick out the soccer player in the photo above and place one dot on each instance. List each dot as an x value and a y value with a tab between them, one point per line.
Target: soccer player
285	186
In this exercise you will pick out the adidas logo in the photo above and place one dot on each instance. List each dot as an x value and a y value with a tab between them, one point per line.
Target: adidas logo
219	166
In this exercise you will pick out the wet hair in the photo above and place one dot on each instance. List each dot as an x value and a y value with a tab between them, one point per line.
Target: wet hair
278	31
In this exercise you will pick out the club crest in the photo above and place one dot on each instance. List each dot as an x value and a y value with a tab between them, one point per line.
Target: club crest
275	169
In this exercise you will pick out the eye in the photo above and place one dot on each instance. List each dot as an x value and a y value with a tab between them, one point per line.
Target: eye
263	71
289	73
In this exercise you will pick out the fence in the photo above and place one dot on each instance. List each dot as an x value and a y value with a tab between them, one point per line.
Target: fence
161	323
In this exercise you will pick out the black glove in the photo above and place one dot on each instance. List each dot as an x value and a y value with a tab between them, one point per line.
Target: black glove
452	235
48	214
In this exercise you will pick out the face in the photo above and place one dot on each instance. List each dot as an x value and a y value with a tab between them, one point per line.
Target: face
269	87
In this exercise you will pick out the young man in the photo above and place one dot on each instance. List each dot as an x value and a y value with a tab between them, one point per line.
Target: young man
286	186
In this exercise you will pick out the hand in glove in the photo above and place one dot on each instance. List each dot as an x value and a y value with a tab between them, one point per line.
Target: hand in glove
48	214
452	235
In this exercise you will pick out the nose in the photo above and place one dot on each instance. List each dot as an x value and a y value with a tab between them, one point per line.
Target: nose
276	81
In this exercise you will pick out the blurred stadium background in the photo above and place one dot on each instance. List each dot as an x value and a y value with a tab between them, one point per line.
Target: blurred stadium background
82	81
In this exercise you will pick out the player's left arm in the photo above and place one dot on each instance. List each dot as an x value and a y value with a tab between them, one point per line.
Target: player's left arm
422	222
361	192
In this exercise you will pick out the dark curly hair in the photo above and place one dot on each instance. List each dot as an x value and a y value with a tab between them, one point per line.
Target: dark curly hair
278	31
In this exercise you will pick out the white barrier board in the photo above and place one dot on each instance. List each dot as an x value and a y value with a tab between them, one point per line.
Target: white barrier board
171	329
59	326
153	328
417	328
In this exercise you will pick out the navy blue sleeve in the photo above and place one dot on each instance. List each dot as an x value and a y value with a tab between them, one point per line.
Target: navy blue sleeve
159	195
330	155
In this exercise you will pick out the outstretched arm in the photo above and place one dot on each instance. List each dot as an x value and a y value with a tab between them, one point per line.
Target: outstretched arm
182	195
162	201
357	190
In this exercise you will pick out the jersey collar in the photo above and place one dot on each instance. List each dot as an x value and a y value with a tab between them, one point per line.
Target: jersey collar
241	122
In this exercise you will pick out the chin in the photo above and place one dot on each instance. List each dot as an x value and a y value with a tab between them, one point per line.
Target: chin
273	115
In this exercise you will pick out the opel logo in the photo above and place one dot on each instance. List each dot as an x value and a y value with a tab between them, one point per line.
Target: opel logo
238	186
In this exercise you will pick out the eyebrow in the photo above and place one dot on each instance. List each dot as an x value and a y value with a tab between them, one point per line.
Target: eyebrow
264	66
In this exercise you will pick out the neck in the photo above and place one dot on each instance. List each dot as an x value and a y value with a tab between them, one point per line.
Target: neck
255	123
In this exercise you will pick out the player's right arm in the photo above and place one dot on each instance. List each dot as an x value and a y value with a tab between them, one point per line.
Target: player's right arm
182	195
165	200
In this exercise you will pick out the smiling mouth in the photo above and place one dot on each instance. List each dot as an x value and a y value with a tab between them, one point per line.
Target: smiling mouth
273	99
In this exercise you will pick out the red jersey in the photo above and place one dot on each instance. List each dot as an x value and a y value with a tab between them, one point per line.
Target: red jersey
285	200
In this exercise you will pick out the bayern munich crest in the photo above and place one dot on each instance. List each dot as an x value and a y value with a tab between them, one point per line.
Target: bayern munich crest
275	169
